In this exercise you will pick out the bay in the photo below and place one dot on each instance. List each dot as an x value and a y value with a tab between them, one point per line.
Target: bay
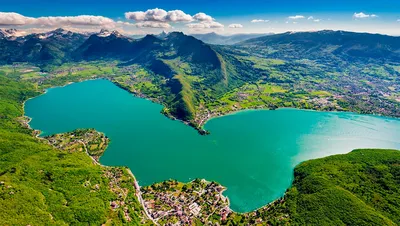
252	153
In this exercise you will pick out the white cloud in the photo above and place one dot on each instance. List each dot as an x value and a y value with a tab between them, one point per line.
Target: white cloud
205	25
152	24
124	23
9	19
235	26
145	24
314	19
15	19
362	15
159	15
156	14
398	20
259	21
203	17
137	16
152	18
84	20
159	18
297	17
178	16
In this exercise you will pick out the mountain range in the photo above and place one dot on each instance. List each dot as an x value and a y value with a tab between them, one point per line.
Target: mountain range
214	38
62	45
52	47
10	33
345	44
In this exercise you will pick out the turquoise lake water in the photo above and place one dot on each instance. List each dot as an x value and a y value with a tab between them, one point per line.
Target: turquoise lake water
252	153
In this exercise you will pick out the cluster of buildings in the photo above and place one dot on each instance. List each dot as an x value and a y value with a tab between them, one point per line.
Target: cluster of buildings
174	203
115	176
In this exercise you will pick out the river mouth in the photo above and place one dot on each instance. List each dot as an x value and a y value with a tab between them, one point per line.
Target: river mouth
252	153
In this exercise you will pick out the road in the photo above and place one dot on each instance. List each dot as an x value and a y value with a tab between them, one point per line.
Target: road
137	187
139	196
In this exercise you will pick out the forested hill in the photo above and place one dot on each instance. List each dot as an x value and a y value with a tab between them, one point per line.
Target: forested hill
354	189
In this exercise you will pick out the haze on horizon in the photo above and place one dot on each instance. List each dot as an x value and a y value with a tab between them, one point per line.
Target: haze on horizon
223	17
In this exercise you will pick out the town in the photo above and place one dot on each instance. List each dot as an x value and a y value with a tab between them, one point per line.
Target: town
197	202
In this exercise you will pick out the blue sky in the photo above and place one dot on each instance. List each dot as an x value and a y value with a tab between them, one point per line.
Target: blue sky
229	16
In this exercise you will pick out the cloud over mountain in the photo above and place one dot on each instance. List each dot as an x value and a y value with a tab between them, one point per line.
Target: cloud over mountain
9	19
151	18
16	19
152	24
205	25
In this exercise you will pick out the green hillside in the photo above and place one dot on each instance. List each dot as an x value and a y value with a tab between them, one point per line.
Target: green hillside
360	188
42	185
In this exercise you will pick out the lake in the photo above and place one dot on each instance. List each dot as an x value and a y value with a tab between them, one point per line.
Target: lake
252	153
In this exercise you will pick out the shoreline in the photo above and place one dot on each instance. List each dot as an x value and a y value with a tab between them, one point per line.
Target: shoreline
139	196
297	109
200	127
137	185
209	119
42	92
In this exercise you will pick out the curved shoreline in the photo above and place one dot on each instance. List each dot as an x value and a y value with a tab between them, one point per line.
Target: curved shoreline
38	136
298	109
211	118
232	113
